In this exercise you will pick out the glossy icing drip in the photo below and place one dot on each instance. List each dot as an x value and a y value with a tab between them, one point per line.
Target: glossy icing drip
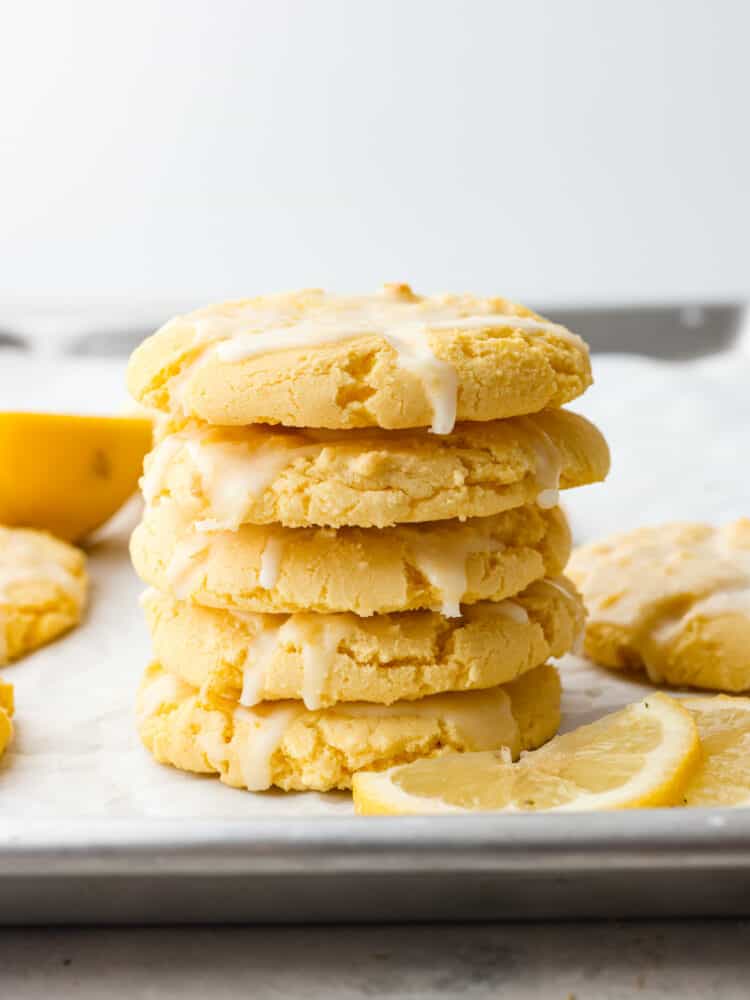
270	563
395	315
266	731
548	463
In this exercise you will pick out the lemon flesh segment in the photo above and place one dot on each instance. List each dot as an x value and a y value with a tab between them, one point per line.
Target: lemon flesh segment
723	777
643	755
6	711
68	474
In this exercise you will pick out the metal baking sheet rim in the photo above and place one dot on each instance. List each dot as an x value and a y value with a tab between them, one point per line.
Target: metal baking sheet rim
638	841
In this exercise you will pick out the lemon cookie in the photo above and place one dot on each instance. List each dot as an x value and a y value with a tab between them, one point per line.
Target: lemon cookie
325	659
225	477
435	566
286	745
394	359
42	589
673	601
535	697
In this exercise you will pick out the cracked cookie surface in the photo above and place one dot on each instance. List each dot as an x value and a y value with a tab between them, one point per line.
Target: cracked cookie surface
672	601
225	477
43	586
326	659
391	360
436	566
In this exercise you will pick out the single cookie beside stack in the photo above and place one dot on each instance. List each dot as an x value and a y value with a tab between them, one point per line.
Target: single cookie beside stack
334	586
671	601
43	590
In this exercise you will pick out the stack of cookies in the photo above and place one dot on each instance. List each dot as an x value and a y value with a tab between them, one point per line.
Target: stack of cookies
351	532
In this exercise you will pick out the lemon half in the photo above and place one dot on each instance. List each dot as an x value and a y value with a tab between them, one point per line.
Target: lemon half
68	474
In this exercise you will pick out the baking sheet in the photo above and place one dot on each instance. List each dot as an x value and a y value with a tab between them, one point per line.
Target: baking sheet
92	830
678	433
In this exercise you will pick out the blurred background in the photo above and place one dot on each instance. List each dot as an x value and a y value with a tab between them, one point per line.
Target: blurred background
162	153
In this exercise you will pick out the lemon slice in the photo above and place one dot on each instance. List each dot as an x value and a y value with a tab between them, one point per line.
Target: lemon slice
6	712
643	755
723	777
68	474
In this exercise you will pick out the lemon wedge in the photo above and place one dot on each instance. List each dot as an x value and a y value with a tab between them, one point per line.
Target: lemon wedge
68	474
723	777
643	755
6	712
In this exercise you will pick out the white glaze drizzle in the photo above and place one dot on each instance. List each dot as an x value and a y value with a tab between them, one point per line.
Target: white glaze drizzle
249	332
655	580
264	738
411	343
165	689
43	571
316	636
205	332
408	336
318	659
23	558
156	464
270	562
185	568
232	473
728	600
214	747
661	567
548	463
235	474
445	564
438	377
260	653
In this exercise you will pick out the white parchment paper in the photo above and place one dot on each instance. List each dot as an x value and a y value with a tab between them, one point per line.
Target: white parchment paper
679	439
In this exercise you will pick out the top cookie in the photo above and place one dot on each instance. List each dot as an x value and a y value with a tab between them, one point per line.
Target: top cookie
391	360
673	601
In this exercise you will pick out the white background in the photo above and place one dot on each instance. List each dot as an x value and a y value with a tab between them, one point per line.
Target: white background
551	151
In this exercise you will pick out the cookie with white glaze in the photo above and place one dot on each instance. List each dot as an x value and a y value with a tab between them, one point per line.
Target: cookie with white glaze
672	601
283	744
270	569
326	659
224	477
43	587
391	360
